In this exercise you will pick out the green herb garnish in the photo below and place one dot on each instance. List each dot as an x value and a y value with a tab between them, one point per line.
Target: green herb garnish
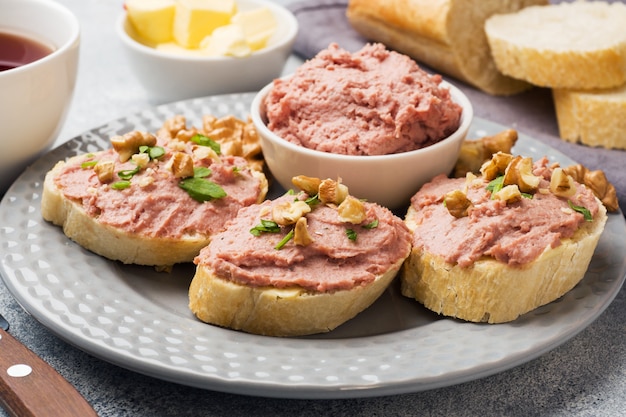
284	240
202	190
120	185
496	185
313	201
201	172
88	164
372	225
154	152
351	234
266	226
207	141
582	210
127	174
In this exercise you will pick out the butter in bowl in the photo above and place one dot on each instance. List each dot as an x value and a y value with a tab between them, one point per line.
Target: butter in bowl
181	49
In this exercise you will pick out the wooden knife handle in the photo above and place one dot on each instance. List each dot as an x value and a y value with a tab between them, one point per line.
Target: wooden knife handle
40	392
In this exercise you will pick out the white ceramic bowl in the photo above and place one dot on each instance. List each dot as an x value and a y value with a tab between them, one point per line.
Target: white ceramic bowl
168	76
35	98
389	180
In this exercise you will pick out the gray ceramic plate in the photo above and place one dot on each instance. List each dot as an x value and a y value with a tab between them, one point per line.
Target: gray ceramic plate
138	319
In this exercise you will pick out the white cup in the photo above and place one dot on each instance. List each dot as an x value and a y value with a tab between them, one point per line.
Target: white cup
35	97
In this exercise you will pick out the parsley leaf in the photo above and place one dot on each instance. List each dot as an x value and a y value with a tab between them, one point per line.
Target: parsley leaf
582	210
207	141
202	190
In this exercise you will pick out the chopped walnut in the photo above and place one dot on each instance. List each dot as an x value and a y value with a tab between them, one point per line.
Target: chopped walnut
141	159
562	184
520	172
333	192
510	194
289	212
457	203
476	152
129	143
172	126
351	210
181	165
496	166
597	182
105	170
301	234
309	185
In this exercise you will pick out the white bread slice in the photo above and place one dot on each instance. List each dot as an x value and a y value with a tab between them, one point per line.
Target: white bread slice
114	243
592	117
280	312
579	45
446	35
491	291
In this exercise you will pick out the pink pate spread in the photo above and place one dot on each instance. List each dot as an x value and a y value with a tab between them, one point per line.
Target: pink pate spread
161	209
515	234
372	102
332	262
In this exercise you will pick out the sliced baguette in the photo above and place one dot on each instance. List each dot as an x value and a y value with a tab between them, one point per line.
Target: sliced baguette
592	117
491	291
279	312
115	243
579	45
446	35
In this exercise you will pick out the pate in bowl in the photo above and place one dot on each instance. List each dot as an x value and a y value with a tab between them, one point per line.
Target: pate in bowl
383	135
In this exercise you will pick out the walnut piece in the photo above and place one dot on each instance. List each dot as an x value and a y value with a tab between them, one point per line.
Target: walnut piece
128	144
496	166
597	182
476	152
510	194
520	172
457	203
289	212
301	234
181	165
309	185
104	170
561	184
332	192
351	210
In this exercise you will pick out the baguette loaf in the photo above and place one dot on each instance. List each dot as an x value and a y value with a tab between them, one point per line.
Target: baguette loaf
592	117
446	35
580	45
497	262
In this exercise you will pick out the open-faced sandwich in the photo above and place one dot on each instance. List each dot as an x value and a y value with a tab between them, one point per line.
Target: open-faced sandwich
301	264
156	199
489	248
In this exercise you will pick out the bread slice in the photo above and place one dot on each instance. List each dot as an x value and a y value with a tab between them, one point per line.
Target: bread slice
272	311
579	45
490	248
337	256
492	291
592	117
117	243
446	35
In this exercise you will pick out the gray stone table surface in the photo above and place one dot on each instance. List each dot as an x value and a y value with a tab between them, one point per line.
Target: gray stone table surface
585	376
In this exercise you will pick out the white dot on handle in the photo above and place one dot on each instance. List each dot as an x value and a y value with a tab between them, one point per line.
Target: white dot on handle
19	370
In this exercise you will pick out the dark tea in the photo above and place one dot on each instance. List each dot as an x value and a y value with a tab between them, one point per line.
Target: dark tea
17	50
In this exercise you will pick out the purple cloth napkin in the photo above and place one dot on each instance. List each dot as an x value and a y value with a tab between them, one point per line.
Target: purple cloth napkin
532	113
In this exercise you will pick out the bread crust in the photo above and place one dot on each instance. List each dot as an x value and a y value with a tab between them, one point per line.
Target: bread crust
279	312
592	117
111	242
541	45
446	35
494	292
